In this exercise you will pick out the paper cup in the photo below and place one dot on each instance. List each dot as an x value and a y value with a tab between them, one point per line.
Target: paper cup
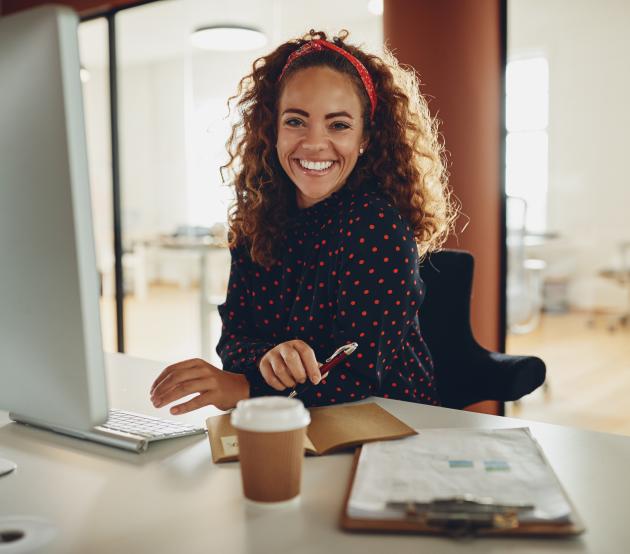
271	433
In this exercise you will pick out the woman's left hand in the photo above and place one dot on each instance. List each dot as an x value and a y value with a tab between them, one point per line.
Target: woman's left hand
212	385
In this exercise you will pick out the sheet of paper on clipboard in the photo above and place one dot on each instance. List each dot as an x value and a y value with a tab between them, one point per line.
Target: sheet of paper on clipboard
500	466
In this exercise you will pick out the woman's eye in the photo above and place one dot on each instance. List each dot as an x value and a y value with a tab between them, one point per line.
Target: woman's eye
296	122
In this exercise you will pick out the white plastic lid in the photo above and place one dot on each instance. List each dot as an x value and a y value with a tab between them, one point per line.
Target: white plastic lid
270	414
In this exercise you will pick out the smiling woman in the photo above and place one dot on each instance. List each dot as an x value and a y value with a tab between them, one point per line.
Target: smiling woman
340	188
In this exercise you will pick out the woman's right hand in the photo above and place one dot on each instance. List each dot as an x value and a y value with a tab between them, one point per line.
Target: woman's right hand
289	363
210	384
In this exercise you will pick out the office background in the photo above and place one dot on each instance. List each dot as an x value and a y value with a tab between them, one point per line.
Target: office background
550	131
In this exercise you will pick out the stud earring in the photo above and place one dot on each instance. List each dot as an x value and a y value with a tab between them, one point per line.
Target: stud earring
360	151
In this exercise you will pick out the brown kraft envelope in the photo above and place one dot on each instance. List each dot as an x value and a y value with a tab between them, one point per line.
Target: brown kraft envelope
332	428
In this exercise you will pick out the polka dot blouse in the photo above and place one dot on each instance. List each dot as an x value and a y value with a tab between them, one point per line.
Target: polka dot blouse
349	273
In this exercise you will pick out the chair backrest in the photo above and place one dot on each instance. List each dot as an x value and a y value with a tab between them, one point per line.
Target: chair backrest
465	371
445	316
445	312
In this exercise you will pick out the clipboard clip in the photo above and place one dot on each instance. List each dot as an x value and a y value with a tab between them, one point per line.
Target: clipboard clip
462	516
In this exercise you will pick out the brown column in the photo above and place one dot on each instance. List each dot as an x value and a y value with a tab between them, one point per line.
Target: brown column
457	47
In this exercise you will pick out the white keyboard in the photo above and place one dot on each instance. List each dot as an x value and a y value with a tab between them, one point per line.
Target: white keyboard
123	429
152	428
134	431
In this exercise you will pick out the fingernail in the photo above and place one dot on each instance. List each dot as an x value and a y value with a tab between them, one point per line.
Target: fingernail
175	410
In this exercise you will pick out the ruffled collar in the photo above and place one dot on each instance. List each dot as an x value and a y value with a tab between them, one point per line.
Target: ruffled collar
316	216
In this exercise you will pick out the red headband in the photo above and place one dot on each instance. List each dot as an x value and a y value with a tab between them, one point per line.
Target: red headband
318	45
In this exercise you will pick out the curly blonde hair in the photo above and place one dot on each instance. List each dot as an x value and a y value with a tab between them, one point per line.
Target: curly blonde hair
404	153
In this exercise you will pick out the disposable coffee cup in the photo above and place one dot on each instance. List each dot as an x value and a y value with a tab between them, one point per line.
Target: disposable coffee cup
271	432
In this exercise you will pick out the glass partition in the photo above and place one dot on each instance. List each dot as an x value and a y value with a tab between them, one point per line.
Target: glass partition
94	54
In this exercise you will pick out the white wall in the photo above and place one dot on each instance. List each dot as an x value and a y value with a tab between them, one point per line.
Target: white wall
152	147
587	44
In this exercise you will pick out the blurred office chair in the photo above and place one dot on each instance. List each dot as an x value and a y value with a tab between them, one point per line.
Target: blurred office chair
524	275
465	371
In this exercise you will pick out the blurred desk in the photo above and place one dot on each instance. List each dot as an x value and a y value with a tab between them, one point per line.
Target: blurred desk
205	246
532	238
621	275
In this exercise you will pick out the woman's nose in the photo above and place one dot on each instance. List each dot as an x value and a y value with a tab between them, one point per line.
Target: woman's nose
315	140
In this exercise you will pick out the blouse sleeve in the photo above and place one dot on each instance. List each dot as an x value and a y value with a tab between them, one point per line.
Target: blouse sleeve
379	293
239	348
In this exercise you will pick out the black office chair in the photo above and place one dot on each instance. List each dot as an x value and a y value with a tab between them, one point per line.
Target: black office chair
465	371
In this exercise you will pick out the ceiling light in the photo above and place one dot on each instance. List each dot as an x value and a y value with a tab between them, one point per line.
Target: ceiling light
228	37
375	7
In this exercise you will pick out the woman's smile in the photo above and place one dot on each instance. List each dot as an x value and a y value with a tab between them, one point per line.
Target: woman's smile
314	168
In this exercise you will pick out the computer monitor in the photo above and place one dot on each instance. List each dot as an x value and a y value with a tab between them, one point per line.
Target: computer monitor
51	357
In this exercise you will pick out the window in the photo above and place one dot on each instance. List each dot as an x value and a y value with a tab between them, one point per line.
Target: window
527	147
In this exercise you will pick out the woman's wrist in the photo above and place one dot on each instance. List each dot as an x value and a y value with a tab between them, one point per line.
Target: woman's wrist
240	389
245	391
232	388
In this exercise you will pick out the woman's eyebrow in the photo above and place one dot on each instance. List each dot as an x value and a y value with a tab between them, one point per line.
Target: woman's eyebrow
328	116
338	114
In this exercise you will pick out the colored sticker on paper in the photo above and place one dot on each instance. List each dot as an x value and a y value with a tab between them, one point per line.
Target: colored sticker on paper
456	464
496	465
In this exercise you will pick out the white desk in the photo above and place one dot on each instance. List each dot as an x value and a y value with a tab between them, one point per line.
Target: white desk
173	499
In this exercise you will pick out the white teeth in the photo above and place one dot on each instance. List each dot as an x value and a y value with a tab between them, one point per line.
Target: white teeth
318	166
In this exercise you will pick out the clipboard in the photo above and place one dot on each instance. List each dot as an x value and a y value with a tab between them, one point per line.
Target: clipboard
457	517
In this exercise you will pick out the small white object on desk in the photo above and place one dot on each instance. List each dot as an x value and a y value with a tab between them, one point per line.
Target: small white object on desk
6	467
25	534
